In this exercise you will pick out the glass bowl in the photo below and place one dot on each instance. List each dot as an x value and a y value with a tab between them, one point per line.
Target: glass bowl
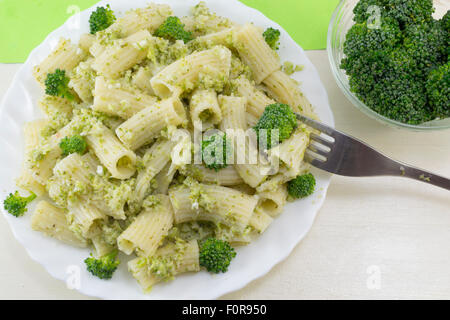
340	23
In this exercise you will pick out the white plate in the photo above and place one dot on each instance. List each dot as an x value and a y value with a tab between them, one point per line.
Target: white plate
64	262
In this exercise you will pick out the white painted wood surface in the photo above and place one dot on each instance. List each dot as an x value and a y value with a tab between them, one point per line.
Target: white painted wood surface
374	238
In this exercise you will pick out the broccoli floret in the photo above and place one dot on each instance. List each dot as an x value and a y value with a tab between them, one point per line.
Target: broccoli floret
389	83
16	204
404	11
73	144
216	255
103	267
173	29
302	186
445	24
279	117
438	90
410	11
360	38
57	83
272	37
445	21
101	19
427	44
216	149
362	12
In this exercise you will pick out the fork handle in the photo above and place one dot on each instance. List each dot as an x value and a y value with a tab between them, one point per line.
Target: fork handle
423	176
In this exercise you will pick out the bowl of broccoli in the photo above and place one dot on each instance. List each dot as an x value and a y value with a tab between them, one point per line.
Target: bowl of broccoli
391	58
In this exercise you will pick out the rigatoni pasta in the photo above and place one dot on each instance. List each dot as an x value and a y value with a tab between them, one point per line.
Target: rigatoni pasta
111	99
85	217
257	100
286	90
204	109
272	202
119	160
248	164
83	178
147	124
148	18
292	150
66	56
212	203
260	220
31	131
141	80
149	228
52	221
225	177
122	55
203	21
163	179
45	157
256	53
223	38
154	160
150	270
82	80
86	41
233	110
205	68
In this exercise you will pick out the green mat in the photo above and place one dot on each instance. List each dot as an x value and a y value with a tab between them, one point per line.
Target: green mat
25	23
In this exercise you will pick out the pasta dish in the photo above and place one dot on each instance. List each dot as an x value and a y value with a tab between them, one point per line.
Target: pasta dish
171	140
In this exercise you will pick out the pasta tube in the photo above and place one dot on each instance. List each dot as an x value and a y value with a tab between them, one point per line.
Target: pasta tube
204	109
256	53
119	160
122	55
51	221
286	90
212	203
112	100
169	261
66	56
186	73
144	235
145	125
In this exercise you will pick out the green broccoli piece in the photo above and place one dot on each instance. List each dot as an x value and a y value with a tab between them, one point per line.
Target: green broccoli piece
279	117
445	24
73	144
57	84
101	19
216	149
438	90
216	255
302	186
16	205
389	83
408	12
173	29
103	267
445	21
361	10
427	44
272	37
360	38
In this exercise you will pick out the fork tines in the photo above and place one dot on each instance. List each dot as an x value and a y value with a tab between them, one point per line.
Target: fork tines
321	143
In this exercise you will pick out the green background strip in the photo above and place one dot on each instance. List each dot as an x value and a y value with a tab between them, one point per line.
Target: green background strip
24	24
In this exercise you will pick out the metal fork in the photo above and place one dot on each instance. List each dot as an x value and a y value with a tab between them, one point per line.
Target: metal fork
338	153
